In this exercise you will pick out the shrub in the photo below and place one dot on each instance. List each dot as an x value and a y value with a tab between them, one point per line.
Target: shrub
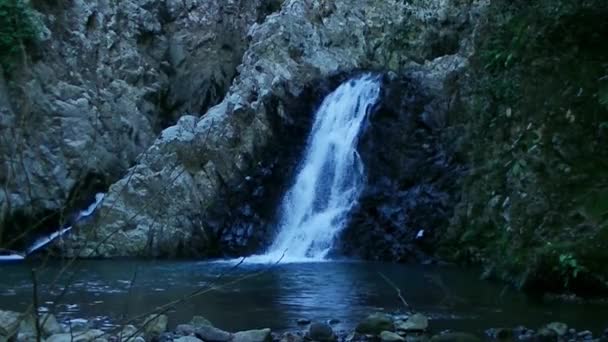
17	29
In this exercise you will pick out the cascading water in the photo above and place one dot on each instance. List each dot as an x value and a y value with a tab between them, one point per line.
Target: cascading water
330	177
44	241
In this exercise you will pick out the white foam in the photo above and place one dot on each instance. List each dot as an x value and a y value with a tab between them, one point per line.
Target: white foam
11	257
91	208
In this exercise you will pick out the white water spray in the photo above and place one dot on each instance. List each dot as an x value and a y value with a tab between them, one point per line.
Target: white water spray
330	178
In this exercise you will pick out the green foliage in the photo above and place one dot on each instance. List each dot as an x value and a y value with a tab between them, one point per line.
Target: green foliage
569	268
537	118
17	29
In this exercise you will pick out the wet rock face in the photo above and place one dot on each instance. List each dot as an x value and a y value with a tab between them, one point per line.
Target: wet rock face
98	87
159	207
412	175
243	221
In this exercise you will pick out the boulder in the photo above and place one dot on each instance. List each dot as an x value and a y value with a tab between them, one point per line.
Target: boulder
261	335
129	333
375	324
155	325
561	329
9	323
185	329
199	321
320	332
77	325
209	333
388	336
416	322
48	325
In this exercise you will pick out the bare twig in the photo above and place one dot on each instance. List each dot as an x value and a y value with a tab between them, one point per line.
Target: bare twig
36	306
388	281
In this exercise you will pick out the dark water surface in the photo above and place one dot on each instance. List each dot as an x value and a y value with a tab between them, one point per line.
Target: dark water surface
348	291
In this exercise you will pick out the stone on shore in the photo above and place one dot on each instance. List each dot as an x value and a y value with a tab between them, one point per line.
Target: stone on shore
155	325
261	335
389	336
375	323
321	332
416	322
129	333
560	329
9	323
208	333
185	329
200	321
48	325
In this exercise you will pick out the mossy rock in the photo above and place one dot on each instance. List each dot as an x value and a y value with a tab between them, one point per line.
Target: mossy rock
375	324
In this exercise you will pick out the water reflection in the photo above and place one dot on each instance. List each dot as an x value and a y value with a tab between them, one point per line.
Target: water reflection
114	290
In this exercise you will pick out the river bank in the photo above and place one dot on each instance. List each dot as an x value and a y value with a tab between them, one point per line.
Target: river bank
410	327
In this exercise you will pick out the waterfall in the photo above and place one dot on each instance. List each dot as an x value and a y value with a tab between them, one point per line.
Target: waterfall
44	241
330	176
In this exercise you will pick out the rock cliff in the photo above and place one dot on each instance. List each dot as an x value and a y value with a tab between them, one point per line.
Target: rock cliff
157	207
96	88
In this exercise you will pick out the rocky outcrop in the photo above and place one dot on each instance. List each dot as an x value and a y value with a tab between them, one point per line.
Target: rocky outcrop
157	208
412	150
101	82
412	167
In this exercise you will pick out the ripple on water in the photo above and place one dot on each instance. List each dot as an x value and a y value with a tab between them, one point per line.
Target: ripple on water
279	295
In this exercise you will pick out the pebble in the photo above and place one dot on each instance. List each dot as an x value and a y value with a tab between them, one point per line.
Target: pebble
333	321
303	321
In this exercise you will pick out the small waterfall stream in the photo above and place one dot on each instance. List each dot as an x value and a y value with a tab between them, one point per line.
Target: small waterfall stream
44	241
330	176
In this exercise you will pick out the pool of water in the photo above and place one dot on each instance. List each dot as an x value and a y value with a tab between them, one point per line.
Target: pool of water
277	296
